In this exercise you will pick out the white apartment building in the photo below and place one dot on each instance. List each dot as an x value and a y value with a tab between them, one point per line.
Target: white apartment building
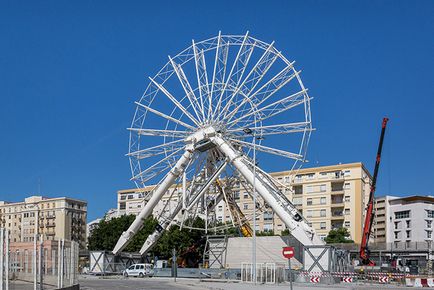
404	220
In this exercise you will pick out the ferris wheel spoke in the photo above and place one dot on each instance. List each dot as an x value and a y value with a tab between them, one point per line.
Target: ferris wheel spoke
274	84
157	167
165	116
157	150
252	79
241	51
243	62
175	101
187	88
161	133
202	77
220	73
220	56
276	129
275	108
269	150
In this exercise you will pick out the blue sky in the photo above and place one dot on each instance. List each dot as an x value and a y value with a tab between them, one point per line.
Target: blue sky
71	70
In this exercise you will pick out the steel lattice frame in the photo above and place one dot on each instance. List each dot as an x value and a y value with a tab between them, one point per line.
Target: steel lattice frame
235	86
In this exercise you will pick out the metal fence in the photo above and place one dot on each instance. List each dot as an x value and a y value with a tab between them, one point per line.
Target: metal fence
39	264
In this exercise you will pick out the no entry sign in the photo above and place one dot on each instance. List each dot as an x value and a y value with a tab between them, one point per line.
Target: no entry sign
288	252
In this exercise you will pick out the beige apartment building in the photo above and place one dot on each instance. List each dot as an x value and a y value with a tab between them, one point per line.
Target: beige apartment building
54	218
328	197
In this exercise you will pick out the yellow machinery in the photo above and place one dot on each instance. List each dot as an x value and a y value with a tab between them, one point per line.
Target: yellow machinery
235	210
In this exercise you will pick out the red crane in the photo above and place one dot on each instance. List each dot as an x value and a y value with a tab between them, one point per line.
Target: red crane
369	218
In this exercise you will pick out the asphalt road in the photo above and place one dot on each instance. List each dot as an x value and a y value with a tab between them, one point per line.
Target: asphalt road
96	283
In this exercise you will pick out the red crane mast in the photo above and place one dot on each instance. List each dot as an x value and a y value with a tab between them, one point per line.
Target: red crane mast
369	217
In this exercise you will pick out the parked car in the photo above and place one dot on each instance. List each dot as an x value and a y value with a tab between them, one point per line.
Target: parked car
139	270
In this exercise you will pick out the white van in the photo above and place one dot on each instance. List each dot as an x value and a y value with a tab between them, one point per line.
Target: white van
139	270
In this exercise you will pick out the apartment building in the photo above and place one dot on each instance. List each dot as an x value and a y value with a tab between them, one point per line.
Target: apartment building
403	221
329	197
54	218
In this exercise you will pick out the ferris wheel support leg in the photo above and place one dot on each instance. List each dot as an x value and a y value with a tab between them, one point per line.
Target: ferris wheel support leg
299	229
170	178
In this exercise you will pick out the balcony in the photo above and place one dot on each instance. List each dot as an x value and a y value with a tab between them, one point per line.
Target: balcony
337	200
337	225
337	188
338	214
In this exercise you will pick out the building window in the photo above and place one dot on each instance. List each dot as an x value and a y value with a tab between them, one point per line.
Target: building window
268	227
123	197
309	189
287	179
122	205
323	175
246	195
408	223
310	175
347	185
347	224
347	173
268	216
347	211
322	187
309	213
402	214
322	226
396	235
347	198
297	201
408	234
430	213
396	225
429	234
309	201
245	206
323	200
298	189
130	196
323	213
298	178
429	224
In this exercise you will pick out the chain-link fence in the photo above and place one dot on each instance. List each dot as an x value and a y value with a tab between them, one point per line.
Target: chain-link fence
39	264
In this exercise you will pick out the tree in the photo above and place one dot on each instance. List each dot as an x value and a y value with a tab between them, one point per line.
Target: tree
285	232
340	235
105	236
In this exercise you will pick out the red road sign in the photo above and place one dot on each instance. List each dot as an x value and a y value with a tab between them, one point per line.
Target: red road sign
383	279
314	279
288	252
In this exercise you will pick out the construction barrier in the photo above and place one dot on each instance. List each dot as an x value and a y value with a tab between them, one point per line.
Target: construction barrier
419	282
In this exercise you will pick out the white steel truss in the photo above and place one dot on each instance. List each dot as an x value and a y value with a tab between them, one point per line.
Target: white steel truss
196	125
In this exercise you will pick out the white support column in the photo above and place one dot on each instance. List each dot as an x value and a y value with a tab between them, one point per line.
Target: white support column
299	229
58	262
7	260
170	178
62	261
34	269
2	243
40	257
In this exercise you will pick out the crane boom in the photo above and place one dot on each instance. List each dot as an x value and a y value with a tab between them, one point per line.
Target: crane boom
369	217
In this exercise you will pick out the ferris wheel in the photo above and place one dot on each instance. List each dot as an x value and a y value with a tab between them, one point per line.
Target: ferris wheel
199	124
